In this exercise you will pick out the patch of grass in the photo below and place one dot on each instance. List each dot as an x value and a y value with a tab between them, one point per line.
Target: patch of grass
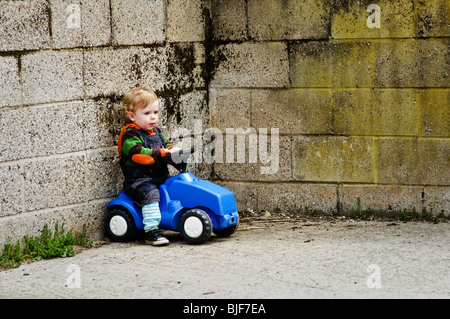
404	215
426	215
429	216
48	245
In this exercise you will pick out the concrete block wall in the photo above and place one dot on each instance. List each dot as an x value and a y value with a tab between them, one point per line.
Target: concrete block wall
361	112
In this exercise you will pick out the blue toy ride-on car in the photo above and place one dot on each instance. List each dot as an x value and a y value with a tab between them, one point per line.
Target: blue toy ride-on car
194	207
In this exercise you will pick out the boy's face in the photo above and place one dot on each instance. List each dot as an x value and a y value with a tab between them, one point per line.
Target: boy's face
147	117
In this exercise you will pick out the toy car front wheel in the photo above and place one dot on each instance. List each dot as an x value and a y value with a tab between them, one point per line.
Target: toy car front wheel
120	225
196	226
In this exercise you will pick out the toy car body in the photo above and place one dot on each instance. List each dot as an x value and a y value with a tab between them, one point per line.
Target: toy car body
189	205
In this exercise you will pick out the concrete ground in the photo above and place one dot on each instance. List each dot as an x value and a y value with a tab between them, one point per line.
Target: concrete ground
281	259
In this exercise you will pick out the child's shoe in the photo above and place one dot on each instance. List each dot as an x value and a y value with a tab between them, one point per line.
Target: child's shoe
155	237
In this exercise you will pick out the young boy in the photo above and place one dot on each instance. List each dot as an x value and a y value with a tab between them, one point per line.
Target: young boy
142	147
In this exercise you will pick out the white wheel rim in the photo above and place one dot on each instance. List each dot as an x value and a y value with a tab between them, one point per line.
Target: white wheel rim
193	227
118	225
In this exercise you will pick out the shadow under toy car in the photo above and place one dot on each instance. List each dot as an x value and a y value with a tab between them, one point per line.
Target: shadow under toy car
194	207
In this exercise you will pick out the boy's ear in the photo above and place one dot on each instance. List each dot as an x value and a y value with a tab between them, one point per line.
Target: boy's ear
131	116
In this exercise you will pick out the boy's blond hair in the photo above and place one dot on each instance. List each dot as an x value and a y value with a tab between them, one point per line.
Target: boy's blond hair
135	99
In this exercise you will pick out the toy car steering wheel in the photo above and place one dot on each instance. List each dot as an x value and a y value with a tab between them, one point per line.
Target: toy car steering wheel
179	158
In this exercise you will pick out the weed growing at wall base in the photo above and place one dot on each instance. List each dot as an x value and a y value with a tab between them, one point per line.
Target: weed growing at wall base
402	214
359	212
47	245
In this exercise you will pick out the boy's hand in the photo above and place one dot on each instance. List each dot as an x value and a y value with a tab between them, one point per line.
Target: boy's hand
173	149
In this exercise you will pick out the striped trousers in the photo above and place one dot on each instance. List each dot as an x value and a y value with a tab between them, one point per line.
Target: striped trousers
152	216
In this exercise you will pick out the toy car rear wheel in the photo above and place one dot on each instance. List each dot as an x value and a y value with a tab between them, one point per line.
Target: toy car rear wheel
196	226
120	226
225	232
